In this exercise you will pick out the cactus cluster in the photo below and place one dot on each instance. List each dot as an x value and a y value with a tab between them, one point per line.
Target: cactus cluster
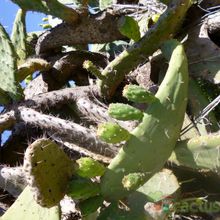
144	161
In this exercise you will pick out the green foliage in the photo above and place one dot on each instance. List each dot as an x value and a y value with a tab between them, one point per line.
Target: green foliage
138	94
198	153
133	180
124	112
112	133
48	171
52	7
19	36
90	205
82	188
155	137
129	28
8	66
26	208
88	167
163	184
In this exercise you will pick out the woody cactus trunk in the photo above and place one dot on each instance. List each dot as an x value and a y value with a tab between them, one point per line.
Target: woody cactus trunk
110	111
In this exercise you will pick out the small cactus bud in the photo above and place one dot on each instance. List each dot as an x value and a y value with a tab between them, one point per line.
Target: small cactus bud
138	94
124	112
112	133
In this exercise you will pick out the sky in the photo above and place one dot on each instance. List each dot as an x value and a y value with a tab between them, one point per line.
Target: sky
8	12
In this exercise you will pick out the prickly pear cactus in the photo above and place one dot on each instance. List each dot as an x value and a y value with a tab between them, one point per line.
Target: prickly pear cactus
52	7
124	112
154	139
26	208
48	170
8	66
19	35
138	94
82	188
89	168
198	153
112	133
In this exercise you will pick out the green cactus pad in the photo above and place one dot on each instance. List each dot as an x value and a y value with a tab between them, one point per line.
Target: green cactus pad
162	186
52	7
198	153
112	133
48	170
154	139
90	205
88	167
124	112
8	65
138	94
26	208
82	188
19	35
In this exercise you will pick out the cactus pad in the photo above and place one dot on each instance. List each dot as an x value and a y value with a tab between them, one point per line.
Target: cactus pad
88	167
48	170
124	112
112	133
19	35
154	139
138	94
8	65
82	188
26	208
198	153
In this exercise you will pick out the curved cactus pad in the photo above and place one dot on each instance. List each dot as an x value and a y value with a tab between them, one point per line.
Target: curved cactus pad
112	133
26	208
138	94
154	139
48	170
124	112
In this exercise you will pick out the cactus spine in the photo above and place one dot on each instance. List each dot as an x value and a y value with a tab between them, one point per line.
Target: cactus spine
154	139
